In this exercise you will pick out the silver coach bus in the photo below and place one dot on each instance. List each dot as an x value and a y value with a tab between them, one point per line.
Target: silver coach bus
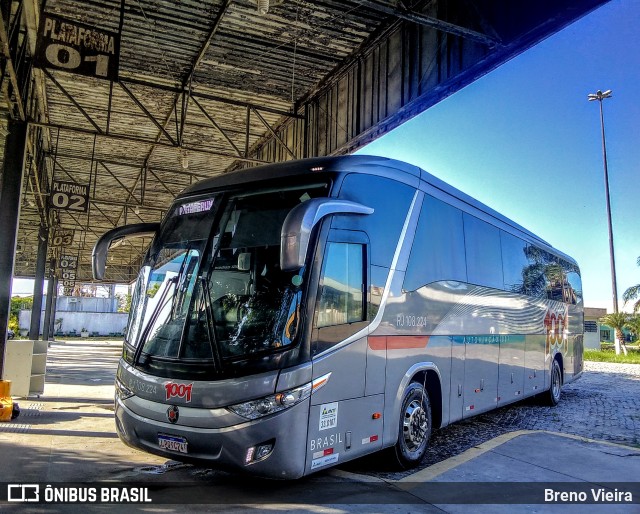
295	316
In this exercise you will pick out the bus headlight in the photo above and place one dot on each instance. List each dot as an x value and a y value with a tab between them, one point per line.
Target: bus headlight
277	402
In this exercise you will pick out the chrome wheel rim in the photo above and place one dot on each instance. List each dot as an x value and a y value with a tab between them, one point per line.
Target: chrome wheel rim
555	382
414	425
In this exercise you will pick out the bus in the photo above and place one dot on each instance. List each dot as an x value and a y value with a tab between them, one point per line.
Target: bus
295	316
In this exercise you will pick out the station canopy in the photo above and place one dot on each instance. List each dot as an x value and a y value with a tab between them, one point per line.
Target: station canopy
131	101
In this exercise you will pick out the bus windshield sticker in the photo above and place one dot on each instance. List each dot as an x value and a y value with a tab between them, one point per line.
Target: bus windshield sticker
328	416
195	207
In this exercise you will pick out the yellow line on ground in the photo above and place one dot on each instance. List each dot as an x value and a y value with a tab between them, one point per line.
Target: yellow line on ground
424	475
589	440
432	472
427	474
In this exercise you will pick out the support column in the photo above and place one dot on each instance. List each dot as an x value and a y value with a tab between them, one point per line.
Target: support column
54	303
10	190
41	264
46	329
113	298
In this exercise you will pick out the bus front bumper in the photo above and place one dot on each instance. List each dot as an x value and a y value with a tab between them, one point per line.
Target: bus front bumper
273	446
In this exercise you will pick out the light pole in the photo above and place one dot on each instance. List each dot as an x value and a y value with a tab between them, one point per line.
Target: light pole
599	96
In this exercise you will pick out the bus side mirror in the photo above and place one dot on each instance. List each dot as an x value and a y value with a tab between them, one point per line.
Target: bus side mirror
297	227
117	235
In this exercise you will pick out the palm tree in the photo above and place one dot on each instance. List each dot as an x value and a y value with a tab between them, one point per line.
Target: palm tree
633	326
633	293
617	321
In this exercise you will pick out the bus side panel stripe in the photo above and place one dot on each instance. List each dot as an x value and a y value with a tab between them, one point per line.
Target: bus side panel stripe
377	342
397	342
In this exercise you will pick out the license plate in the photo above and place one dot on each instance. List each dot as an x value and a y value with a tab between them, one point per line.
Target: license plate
172	442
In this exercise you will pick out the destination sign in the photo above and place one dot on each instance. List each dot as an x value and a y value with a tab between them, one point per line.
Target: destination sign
195	207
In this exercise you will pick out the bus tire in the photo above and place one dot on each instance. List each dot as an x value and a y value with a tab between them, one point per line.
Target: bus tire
552	396
415	427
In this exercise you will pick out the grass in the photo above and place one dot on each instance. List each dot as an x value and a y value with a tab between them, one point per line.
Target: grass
610	356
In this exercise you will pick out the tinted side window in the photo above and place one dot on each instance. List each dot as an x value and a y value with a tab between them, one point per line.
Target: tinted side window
391	201
484	257
574	289
438	247
556	279
565	284
342	285
535	272
535	281
551	277
341	304
514	262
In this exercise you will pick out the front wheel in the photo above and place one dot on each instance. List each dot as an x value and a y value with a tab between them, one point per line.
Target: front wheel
552	396
415	427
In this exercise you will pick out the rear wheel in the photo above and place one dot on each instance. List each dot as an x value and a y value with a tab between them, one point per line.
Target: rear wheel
415	427
552	396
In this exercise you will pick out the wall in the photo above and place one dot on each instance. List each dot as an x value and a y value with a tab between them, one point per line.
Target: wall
104	323
592	340
592	317
79	303
96	315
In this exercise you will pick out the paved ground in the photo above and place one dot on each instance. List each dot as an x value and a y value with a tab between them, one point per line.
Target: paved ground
68	435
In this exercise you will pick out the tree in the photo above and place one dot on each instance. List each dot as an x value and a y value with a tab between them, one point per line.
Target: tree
633	293
617	321
124	302
633	326
18	303
152	290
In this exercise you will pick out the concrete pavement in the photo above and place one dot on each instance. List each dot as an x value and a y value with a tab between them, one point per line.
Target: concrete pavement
68	436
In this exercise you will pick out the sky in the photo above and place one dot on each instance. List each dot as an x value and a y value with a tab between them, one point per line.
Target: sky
524	140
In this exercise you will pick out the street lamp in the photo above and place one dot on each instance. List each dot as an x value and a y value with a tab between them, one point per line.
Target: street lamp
599	96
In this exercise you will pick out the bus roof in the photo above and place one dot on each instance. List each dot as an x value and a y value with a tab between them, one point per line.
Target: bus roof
393	168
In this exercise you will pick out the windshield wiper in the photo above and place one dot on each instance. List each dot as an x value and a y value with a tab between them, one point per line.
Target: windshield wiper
173	281
206	293
177	298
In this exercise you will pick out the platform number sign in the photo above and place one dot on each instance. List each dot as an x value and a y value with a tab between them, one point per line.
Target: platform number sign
62	237
69	196
68	262
68	270
77	48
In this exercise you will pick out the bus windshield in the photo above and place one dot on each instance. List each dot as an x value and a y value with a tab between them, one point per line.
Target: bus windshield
167	279
211	288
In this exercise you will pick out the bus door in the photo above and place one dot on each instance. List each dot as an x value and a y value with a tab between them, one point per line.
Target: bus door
342	420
